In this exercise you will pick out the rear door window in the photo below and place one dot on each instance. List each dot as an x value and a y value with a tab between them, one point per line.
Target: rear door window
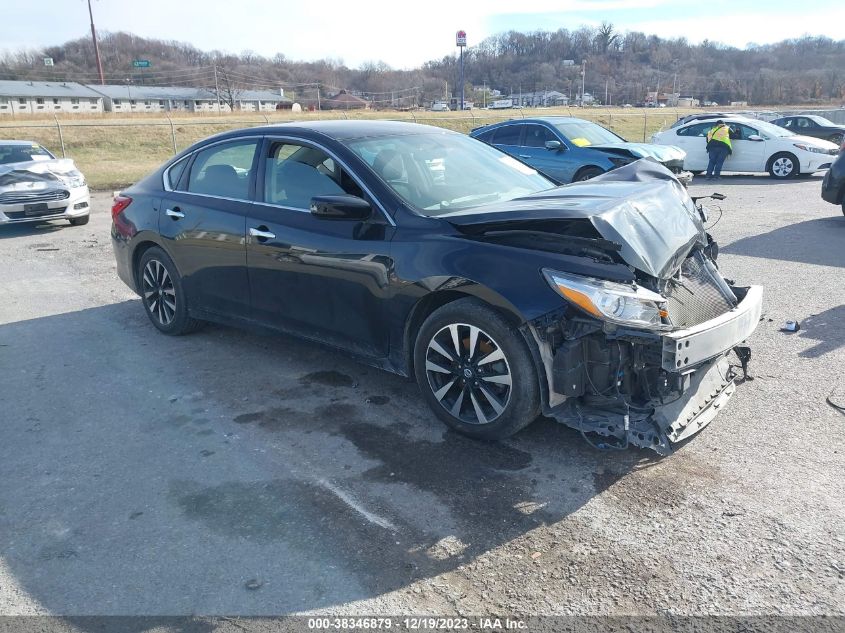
698	129
224	170
507	135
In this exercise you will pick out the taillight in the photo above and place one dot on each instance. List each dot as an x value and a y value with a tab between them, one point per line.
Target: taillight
119	204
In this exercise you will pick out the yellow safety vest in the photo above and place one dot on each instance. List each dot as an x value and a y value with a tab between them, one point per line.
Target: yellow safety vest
721	133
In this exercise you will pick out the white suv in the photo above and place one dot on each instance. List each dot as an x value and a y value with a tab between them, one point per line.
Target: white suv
758	146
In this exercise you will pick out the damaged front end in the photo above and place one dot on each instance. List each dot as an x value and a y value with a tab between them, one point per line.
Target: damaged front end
647	387
645	363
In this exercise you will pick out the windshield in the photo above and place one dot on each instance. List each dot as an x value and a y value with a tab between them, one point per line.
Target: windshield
586	133
440	173
822	121
18	153
770	129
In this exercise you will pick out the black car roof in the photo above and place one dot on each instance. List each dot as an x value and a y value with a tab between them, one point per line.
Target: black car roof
343	130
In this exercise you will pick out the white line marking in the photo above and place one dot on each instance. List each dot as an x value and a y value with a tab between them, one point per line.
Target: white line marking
352	503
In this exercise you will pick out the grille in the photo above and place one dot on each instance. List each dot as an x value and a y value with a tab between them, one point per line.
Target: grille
17	215
697	296
26	197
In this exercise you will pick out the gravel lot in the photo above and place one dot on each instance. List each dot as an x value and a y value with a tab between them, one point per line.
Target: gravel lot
233	473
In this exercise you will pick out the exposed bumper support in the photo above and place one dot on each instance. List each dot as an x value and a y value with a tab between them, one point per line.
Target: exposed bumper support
686	348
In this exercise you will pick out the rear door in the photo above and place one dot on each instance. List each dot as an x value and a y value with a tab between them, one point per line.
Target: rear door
693	140
322	279
508	138
203	222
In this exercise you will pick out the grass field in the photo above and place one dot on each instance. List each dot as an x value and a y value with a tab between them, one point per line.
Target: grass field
115	152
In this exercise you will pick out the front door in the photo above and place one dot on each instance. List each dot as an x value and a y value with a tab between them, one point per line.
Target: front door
748	155
556	163
322	279
203	220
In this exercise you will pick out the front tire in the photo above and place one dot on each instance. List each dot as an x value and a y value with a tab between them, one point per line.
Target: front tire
475	371
587	173
836	138
783	166
163	295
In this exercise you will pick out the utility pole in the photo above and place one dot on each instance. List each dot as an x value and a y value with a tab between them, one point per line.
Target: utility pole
318	97
96	46
217	89
583	79
605	92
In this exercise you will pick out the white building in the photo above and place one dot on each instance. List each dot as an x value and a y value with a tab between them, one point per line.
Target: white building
134	99
543	98
42	97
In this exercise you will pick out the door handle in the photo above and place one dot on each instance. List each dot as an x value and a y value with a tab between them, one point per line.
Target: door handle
262	233
174	213
524	156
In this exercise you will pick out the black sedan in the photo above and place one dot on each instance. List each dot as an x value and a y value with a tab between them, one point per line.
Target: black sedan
812	125
430	254
833	185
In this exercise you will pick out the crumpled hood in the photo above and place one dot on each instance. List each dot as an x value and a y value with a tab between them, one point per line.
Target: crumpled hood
641	206
18	176
660	153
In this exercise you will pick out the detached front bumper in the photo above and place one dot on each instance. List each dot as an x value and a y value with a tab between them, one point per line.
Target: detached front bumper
76	205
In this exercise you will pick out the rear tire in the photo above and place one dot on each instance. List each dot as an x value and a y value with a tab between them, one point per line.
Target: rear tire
80	221
163	295
587	173
475	371
783	166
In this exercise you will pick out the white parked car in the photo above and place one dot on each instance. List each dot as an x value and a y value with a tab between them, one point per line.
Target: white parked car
758	146
37	186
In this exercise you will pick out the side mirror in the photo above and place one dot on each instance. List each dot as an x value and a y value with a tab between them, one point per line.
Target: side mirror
340	207
554	145
755	137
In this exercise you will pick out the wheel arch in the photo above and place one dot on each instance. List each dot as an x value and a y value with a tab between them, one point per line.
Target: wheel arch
138	251
584	168
783	153
437	299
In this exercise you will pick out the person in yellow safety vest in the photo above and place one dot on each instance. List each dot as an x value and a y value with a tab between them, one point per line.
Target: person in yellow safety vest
718	148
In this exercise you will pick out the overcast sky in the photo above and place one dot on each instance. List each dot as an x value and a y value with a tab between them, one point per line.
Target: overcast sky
404	34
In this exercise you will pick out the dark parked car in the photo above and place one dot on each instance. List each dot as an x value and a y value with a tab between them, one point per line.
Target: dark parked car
430	254
569	149
833	185
812	125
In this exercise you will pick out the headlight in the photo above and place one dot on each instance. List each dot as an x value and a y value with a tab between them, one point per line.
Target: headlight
810	148
73	179
613	302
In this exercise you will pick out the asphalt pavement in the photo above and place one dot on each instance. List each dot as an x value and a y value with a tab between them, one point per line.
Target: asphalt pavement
230	472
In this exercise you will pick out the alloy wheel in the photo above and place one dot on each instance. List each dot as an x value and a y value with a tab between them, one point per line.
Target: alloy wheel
783	167
468	373
159	293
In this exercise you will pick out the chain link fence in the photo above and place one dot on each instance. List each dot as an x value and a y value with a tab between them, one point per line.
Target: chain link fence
113	153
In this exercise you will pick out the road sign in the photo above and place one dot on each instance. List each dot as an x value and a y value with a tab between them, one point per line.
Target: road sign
141	63
461	38
48	61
